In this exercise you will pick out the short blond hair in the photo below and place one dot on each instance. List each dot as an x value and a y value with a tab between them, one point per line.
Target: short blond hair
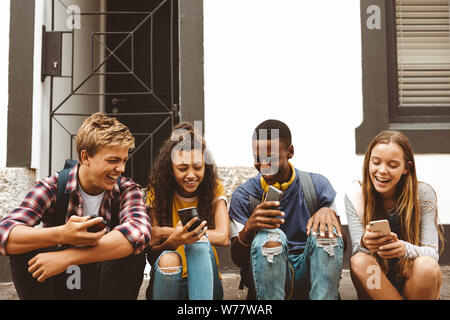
99	131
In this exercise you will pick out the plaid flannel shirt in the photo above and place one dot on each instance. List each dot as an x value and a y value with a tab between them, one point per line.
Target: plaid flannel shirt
39	204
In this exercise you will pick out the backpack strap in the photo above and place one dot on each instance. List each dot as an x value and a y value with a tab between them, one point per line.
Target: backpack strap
311	198
254	202
62	198
309	192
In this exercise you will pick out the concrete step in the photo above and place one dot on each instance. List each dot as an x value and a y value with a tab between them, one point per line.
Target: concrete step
230	282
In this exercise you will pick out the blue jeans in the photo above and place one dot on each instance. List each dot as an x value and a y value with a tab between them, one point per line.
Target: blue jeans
202	282
313	274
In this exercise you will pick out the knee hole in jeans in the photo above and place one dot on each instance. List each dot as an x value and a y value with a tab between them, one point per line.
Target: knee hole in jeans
327	244
272	244
272	247
169	262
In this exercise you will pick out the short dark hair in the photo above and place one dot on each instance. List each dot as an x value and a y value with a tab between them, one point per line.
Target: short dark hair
284	134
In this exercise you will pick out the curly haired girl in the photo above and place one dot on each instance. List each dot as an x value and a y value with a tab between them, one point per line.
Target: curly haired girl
184	263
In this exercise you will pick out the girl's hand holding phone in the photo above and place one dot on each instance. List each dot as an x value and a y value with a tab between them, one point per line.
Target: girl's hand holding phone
181	235
374	240
394	249
159	234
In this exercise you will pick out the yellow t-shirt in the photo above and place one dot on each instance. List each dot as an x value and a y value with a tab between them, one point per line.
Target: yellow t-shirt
180	202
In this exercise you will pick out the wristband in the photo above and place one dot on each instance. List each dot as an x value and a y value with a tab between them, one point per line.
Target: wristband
242	243
362	242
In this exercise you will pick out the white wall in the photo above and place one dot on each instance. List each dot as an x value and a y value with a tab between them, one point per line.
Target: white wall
299	62
62	86
39	151
4	62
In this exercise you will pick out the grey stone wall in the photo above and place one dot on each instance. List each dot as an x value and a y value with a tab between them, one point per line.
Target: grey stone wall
15	183
233	177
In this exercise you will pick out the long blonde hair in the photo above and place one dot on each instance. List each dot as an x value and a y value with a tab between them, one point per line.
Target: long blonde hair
406	197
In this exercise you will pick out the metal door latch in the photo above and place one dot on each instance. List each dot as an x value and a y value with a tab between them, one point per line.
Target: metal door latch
51	54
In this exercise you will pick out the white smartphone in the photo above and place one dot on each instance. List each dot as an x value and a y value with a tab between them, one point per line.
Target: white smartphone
380	226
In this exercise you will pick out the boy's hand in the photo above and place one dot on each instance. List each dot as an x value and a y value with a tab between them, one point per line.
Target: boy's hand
74	232
324	217
265	217
48	264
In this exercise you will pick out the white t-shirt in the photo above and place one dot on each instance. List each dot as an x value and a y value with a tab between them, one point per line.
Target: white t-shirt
91	204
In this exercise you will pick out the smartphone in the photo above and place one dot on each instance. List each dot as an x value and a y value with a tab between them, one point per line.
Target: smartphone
380	226
273	194
187	214
97	227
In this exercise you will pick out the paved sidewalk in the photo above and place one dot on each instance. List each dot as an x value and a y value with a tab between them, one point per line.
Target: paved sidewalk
230	283
346	289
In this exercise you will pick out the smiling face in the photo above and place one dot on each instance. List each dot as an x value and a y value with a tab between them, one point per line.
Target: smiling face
99	173
386	167
271	159
188	171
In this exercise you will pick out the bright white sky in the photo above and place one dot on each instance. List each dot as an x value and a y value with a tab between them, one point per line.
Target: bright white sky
297	61
300	62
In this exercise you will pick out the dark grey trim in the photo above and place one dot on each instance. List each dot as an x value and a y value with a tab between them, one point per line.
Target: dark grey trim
191	60
375	89
427	134
20	92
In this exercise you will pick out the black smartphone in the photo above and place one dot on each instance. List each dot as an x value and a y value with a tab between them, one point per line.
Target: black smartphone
187	214
98	226
273	194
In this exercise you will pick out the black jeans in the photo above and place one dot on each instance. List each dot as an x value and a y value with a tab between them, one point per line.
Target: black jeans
108	280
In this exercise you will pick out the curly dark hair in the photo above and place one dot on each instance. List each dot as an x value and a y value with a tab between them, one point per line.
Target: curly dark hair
163	184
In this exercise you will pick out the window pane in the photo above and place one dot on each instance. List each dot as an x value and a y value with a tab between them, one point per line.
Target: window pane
423	52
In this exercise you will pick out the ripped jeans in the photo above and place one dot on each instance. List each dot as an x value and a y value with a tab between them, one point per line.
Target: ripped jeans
313	274
202	282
